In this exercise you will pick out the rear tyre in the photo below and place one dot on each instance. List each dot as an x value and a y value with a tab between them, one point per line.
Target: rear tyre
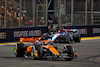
19	50
77	38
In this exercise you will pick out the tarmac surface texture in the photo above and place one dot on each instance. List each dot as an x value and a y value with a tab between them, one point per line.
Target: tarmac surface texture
88	56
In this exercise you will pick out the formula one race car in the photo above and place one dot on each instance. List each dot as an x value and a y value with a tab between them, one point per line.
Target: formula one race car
66	35
43	49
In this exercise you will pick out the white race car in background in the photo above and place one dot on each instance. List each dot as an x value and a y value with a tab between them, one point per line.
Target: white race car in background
66	35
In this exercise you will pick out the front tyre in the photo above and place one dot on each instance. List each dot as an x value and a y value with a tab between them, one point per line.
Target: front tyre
19	50
70	52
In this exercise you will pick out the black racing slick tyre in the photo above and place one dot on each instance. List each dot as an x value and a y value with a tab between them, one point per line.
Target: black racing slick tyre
70	52
77	38
19	50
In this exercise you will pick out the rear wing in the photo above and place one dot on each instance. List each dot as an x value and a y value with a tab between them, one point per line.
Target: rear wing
26	39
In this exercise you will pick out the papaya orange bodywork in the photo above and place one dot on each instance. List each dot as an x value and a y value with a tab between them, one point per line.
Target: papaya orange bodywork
50	47
46	41
75	53
36	53
29	48
29	39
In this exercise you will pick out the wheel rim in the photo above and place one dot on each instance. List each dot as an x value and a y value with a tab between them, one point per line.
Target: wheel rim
15	50
68	40
32	53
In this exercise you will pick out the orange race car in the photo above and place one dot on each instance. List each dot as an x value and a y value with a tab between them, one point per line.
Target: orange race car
42	48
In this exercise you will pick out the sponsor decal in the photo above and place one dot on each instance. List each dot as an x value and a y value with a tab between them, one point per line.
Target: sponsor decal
83	31
20	33
3	35
96	30
30	33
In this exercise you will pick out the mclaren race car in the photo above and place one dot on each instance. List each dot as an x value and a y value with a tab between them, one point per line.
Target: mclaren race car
66	35
43	49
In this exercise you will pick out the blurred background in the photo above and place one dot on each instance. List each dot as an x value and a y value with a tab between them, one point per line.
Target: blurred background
34	13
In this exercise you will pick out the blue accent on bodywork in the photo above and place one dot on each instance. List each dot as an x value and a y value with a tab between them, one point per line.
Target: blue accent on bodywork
56	35
71	36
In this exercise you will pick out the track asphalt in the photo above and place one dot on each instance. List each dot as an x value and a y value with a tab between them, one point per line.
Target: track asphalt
83	38
88	51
